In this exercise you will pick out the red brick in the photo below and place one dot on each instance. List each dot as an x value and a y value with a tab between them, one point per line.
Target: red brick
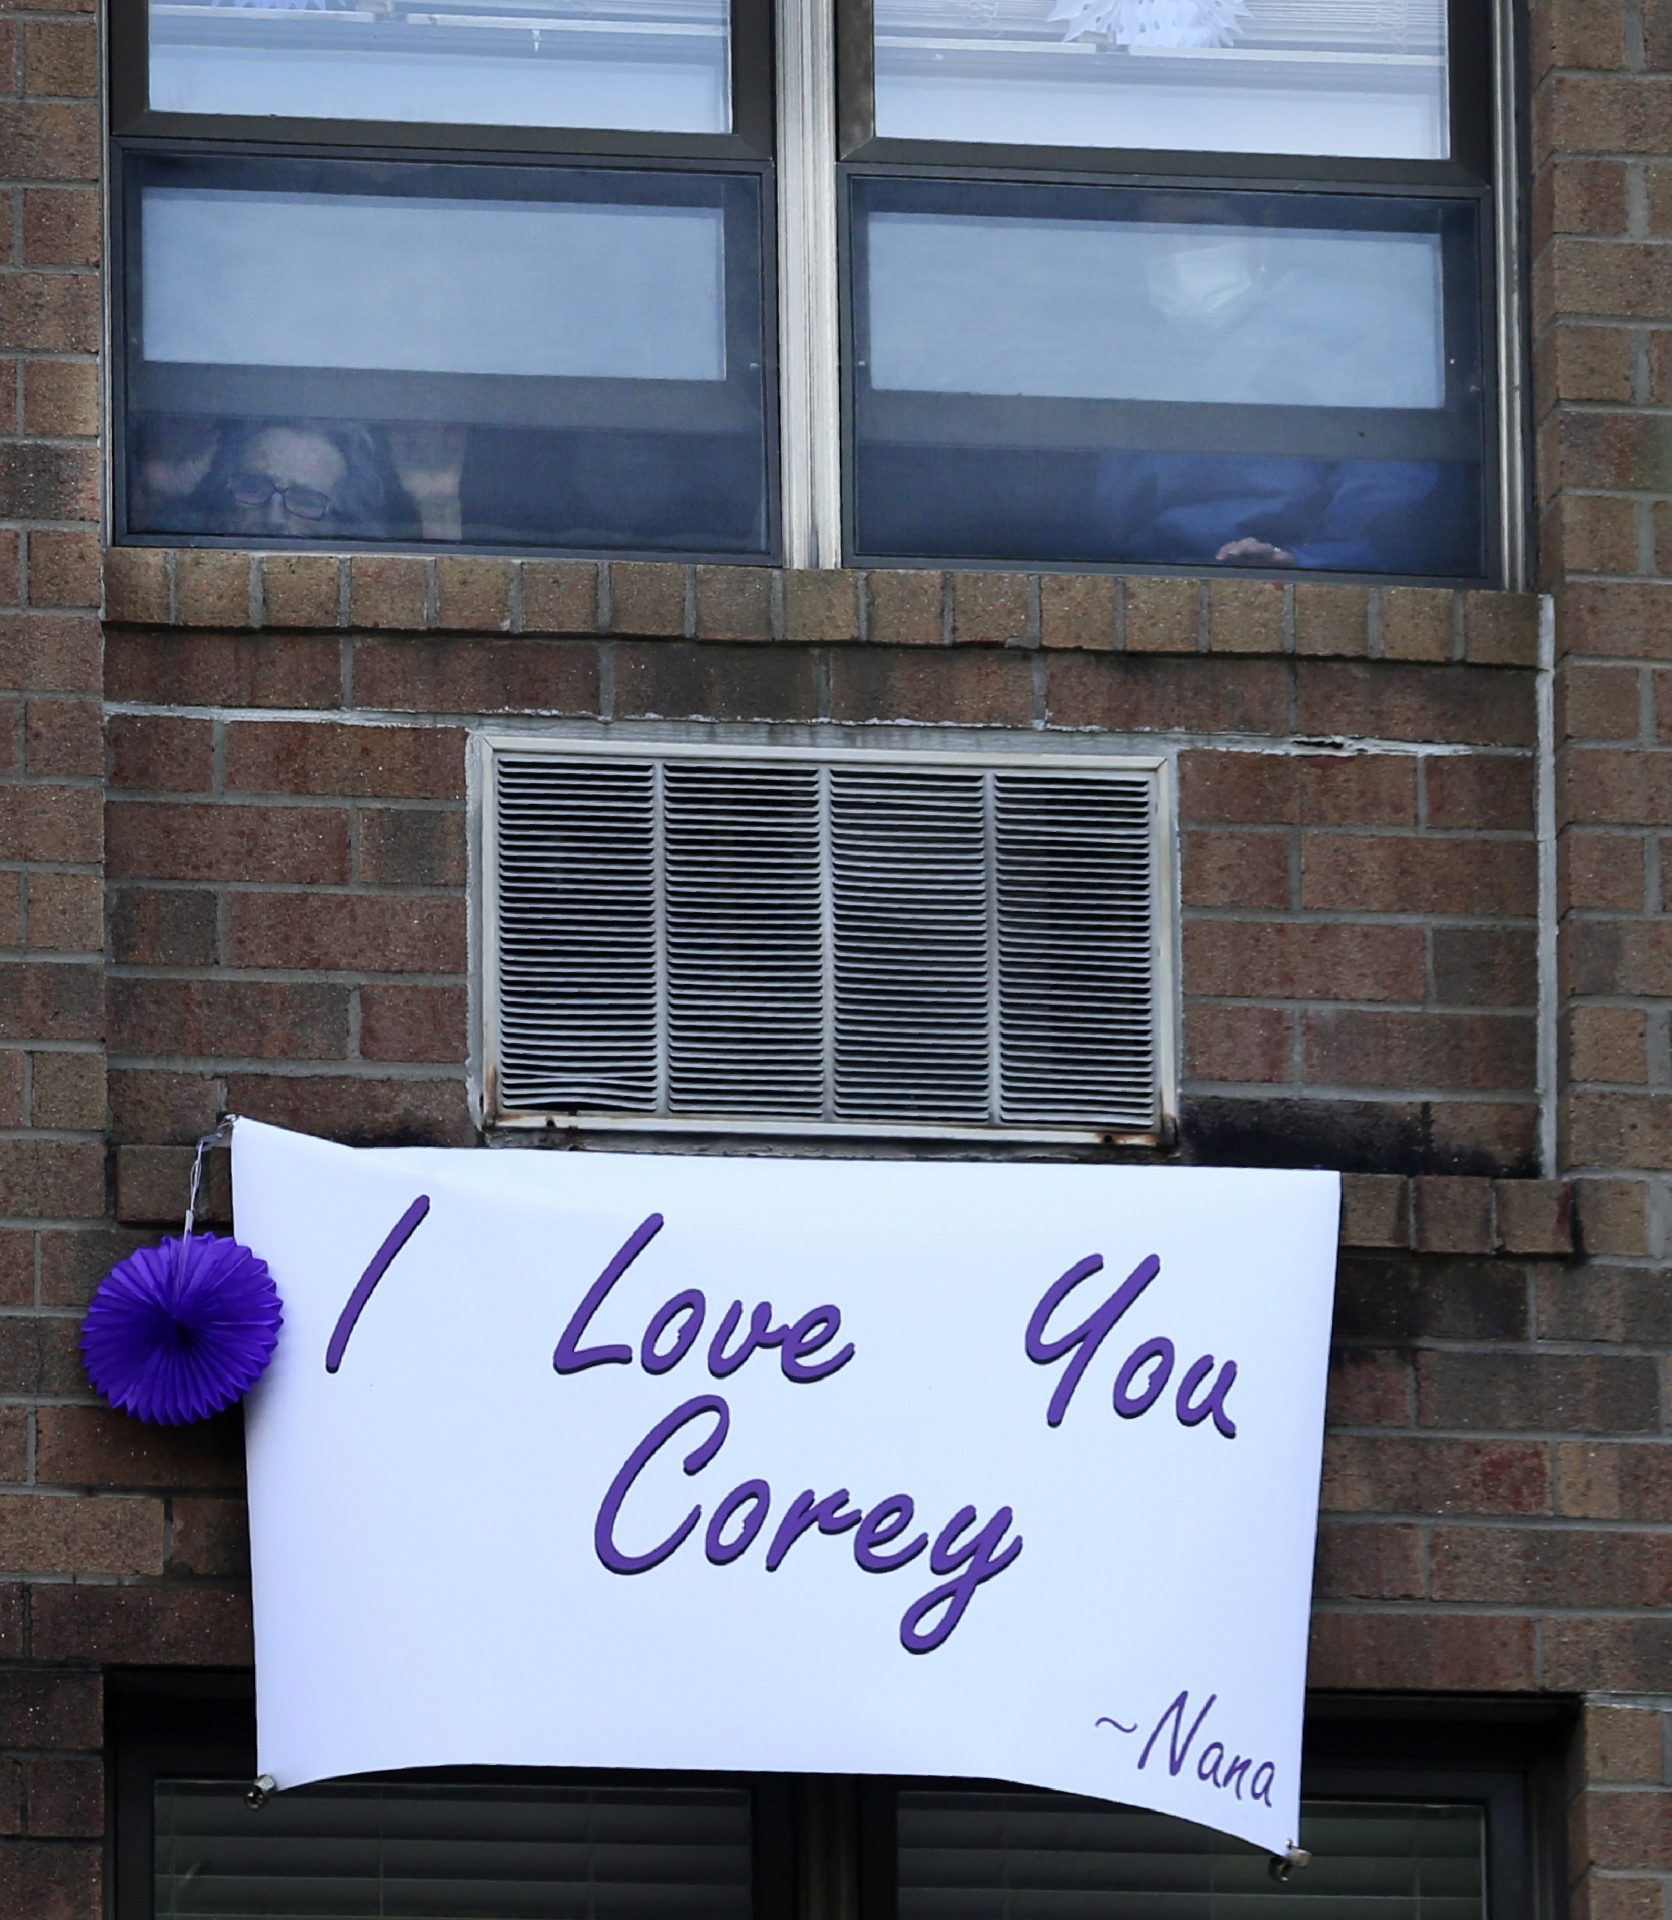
240	1019
1344	790
389	590
169	841
1373	700
1118	693
1368	1563
906	609
409	847
1514	1392
1243	1044
1438	1653
1365	874
1425	1476
1235	870
734	603
1300	960
95	1447
224	670
453	675
51	1533
413	1023
376	933
360	1112
64	1796
54	1000
647	597
210	1537
419	763
142	1627
1079	610
66	915
1457	1053
1606	1480
162	754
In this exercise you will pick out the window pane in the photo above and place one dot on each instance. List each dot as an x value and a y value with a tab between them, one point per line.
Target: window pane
966	1855
1225	76
503	364
662	65
431	1851
1105	374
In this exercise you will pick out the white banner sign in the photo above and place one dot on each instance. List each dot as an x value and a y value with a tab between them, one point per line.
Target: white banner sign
650	1460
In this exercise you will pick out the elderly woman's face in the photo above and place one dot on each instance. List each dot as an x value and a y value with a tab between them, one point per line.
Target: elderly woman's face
286	480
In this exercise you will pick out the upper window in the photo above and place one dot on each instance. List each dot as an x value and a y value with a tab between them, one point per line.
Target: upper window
1170	283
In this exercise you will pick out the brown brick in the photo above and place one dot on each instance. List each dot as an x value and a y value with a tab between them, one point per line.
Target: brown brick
1427	1476
1331	620
1454	1053
1617	1305
1588	533
1361	874
1519	1391
1580	113
51	1533
1614	787
136	585
1490	792
49	312
682	679
972	689
13	1103
1163	616
62	228
66	914
1485	967
1608	278
560	596
42	1709
301	590
990	609
1600	870
384	763
224	670
1375	1210
64	1795
69	1092
1246	616
1608	1044
1416	623
1501	629
1117	693
1371	699
413	1023
1345	790
51	1879
64	569
95	1447
1368	1563
54	823
64	738
1611	1217
365	933
143	1627
473	593
48	142
1530	1567
821	604
409	847
453	675
1384	1298
152	1184
734	603
75	1259
389	590
1253	1045
61	57
161	754
54	1000
1452	1215
1304	961
360	1112
647	597
1621	1744
1598	703
1477	1136
1079	610
1606	1480
212	588
52	1179
1618	957
159	927
17	1289
1628	619
11	548
210	1537
1441	1653
1572	195
1584	363
166	840
1235	870
906	609
40	482
153	1104
242	1019
1608	1655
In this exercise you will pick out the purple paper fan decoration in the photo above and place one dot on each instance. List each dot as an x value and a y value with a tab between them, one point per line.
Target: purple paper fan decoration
178	1332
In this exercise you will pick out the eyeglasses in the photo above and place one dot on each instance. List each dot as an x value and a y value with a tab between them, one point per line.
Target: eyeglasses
256	489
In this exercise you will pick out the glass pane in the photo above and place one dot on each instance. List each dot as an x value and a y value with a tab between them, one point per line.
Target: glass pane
653	65
502	365
430	1851
966	1855
1106	374
1218	76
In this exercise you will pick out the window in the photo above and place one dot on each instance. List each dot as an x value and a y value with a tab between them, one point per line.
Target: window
1171	283
812	941
1395	1838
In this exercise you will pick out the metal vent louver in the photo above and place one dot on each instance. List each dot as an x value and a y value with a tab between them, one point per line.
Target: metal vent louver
875	942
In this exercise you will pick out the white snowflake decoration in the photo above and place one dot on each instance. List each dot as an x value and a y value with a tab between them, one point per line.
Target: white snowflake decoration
1153	23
